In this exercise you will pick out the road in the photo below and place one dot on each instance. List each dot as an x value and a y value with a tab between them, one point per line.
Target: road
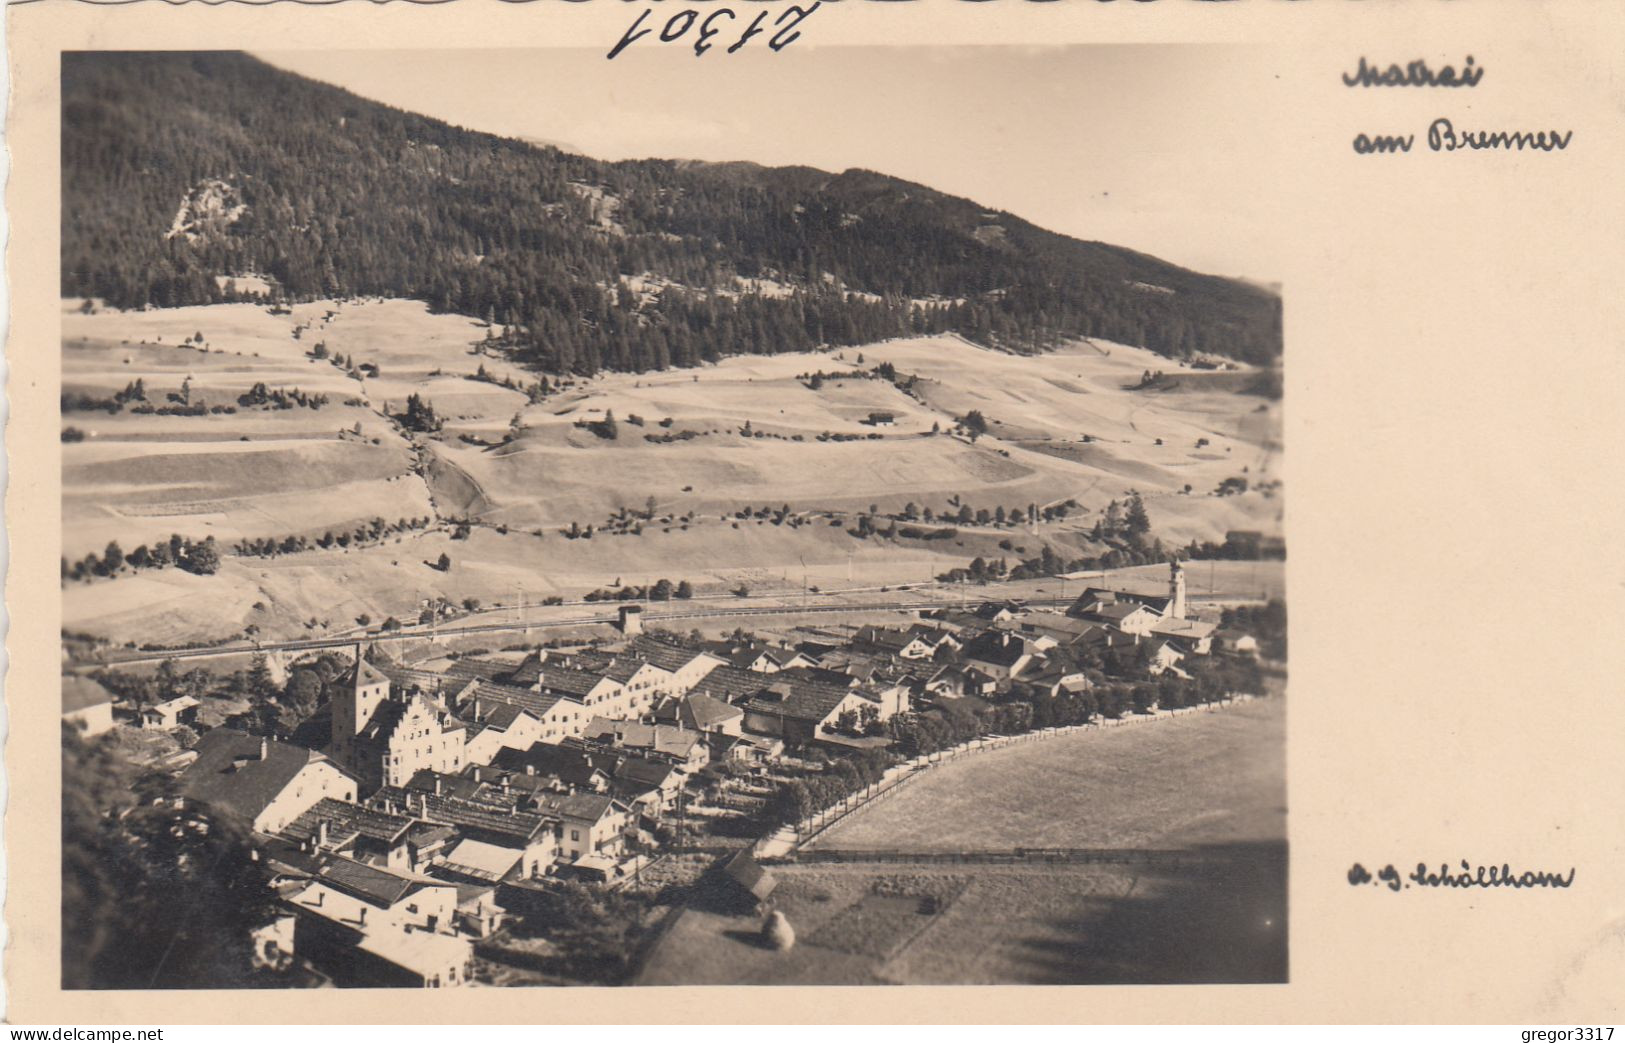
723	606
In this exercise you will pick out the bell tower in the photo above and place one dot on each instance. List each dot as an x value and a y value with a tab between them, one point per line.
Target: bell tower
357	699
1176	590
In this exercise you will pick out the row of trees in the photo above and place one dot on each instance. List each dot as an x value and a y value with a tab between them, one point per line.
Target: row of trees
799	798
659	590
202	557
280	398
199	557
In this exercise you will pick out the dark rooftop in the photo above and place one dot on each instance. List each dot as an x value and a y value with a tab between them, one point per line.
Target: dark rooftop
230	774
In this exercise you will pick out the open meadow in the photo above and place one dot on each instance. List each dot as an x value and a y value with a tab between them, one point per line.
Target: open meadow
1202	778
1208	783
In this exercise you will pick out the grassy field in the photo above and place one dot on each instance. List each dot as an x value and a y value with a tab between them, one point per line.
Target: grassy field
995	925
1206	781
257	473
1203	778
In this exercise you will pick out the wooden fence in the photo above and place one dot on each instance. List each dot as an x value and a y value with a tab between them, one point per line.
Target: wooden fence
1032	856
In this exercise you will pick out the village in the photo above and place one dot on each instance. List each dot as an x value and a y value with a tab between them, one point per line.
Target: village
425	822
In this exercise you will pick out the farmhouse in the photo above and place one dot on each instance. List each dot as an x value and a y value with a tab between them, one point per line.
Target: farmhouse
557	766
495	818
382	959
1163	656
1093	601
358	833
677	745
590	823
701	713
555	716
882	418
1126	616
685	665
904	644
999	654
497	724
800	710
374	901
760	657
172	713
1188	635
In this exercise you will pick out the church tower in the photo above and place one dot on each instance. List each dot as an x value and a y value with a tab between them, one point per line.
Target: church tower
1176	590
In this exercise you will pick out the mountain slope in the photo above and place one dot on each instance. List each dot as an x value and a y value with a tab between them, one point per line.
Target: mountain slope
183	170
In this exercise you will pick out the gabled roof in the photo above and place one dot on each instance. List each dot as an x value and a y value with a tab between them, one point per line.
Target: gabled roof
175	705
363	674
850	664
703	712
585	807
801	701
743	869
480	860
644	774
959	618
624	668
524	675
661	738
1122	610
1096	597
668	655
231	775
427	780
537	704
1189	629
405	677
1056	623
498	714
567	682
475	669
81	693
1000	648
345	819
568	764
730	684
368	883
492	819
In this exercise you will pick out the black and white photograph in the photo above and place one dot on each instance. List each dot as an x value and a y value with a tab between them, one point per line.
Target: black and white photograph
532	520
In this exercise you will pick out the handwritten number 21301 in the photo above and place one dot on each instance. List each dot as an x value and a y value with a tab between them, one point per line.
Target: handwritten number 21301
714	24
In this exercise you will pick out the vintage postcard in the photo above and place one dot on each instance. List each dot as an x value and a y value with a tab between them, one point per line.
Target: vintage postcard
886	512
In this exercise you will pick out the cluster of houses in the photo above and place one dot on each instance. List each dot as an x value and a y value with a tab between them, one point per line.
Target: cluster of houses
420	808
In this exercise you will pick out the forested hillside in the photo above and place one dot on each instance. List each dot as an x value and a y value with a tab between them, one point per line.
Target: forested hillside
183	172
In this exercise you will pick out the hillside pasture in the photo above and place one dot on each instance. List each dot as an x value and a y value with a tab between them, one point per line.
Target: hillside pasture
138	491
1208	782
527	468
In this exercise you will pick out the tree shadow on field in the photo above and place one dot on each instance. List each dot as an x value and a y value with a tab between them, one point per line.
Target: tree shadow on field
1220	921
